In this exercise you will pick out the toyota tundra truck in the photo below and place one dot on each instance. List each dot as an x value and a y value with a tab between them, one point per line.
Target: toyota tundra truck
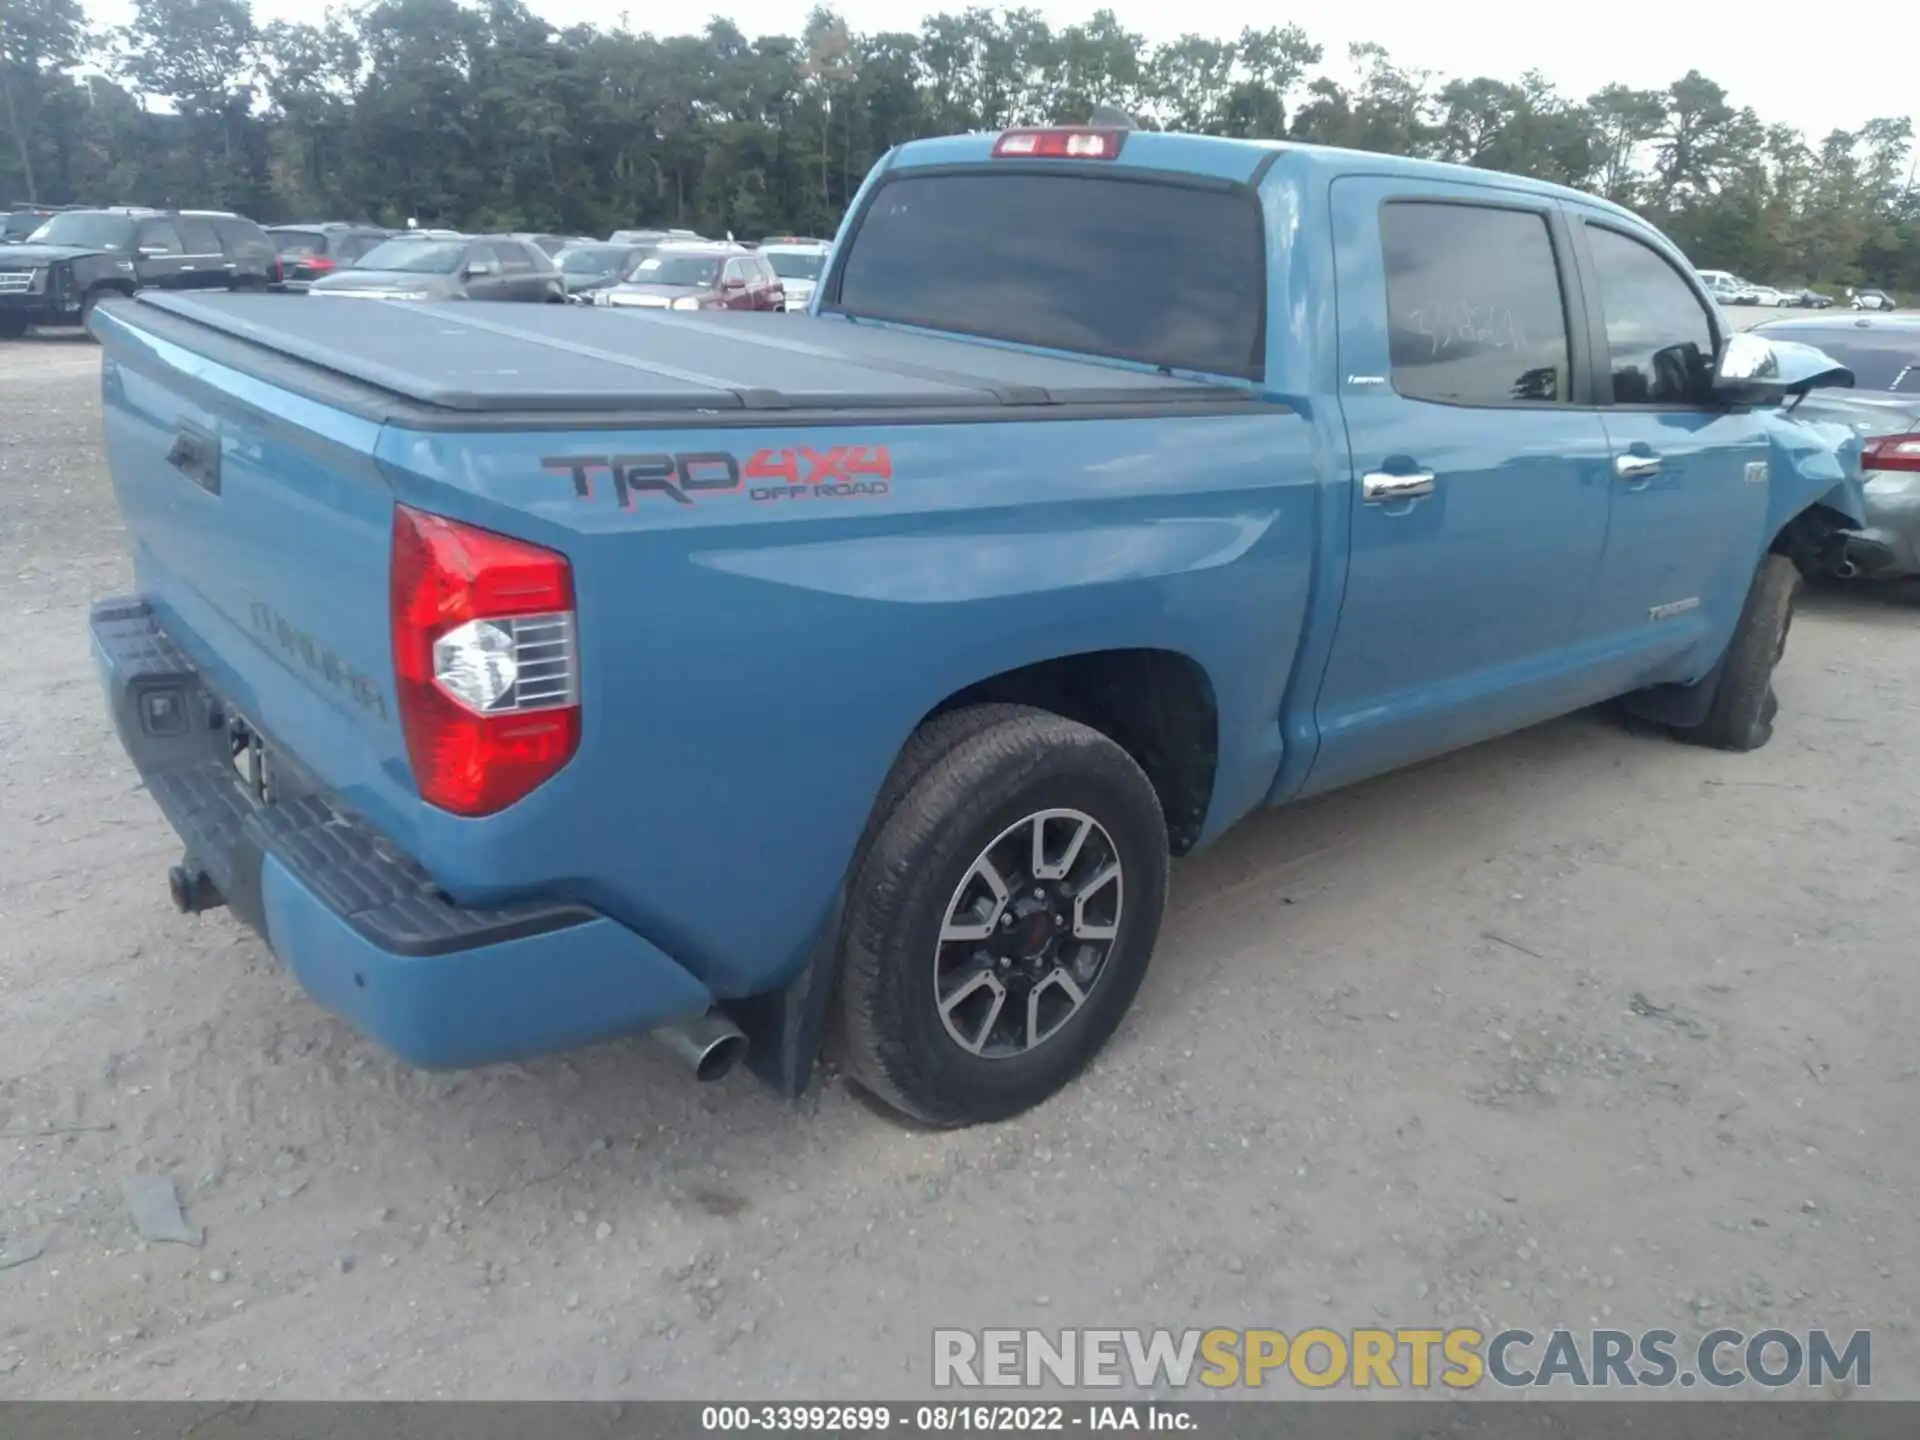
526	679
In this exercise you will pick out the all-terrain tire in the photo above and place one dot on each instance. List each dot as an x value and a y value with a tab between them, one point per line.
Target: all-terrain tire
1741	714
962	780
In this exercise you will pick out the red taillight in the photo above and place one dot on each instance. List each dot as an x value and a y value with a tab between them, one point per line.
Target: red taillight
1891	452
317	262
1091	144
484	659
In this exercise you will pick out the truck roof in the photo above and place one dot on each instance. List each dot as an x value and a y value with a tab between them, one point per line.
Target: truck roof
1243	161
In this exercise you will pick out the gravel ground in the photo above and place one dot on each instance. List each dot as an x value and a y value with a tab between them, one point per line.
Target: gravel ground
1578	1027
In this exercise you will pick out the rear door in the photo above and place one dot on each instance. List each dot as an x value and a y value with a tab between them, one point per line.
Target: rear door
203	262
1689	475
1478	509
160	256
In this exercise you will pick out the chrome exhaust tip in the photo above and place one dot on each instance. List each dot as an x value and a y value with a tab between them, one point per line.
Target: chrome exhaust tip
709	1045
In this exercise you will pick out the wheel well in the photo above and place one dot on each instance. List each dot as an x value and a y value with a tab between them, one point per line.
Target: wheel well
1812	537
1157	705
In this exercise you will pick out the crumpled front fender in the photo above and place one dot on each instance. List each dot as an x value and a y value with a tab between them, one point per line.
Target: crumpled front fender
1814	462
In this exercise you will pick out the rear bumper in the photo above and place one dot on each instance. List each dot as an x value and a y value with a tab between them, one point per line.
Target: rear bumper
1889	544
363	927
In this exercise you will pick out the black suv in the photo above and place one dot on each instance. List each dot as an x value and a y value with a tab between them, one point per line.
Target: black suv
80	255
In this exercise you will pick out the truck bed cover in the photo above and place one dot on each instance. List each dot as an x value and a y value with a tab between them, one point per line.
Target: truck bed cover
457	365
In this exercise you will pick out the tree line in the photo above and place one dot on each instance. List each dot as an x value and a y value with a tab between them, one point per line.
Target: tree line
486	116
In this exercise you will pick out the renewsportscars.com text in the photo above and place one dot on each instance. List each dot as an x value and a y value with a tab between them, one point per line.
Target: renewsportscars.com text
1455	1359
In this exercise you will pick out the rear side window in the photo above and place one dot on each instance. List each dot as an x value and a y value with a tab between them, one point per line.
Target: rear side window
352	247
198	236
1657	328
1138	270
1474	309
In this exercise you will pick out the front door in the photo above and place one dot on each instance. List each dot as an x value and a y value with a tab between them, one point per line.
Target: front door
1478	504
1690	474
160	256
523	281
493	283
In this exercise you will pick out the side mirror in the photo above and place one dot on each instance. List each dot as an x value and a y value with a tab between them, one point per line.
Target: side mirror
733	282
1754	370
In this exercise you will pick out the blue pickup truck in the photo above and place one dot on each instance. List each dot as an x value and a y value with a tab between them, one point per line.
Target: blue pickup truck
769	681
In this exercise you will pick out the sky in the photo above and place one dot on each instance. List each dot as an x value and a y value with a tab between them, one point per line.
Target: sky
1780	58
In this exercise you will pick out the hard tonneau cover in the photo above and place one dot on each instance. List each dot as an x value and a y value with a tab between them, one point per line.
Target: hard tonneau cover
449	363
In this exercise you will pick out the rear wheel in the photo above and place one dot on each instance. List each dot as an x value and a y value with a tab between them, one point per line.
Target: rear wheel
12	326
1740	716
1002	916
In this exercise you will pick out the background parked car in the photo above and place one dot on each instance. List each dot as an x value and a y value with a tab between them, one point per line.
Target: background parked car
1809	299
1883	409
799	264
1872	300
639	237
78	256
309	251
17	224
550	245
480	267
1729	289
596	264
1768	296
706	276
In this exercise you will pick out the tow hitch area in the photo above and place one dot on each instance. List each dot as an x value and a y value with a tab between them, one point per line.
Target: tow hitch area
193	889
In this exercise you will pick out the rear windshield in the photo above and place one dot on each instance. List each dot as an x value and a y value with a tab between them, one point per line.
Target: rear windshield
796	264
582	262
1139	270
1879	360
299	242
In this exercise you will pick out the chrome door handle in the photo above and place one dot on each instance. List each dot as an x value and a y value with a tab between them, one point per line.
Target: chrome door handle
1636	467
1379	488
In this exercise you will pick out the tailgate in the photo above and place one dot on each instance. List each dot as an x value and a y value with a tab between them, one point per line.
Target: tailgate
260	529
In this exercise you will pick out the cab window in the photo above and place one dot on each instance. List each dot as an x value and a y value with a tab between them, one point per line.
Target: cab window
1658	332
1475	314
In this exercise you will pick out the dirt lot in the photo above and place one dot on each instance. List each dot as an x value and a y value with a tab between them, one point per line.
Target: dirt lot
1580	1027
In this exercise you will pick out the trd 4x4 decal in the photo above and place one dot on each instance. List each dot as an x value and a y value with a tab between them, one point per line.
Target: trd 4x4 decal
840	472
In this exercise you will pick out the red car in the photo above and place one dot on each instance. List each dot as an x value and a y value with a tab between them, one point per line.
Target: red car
698	276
